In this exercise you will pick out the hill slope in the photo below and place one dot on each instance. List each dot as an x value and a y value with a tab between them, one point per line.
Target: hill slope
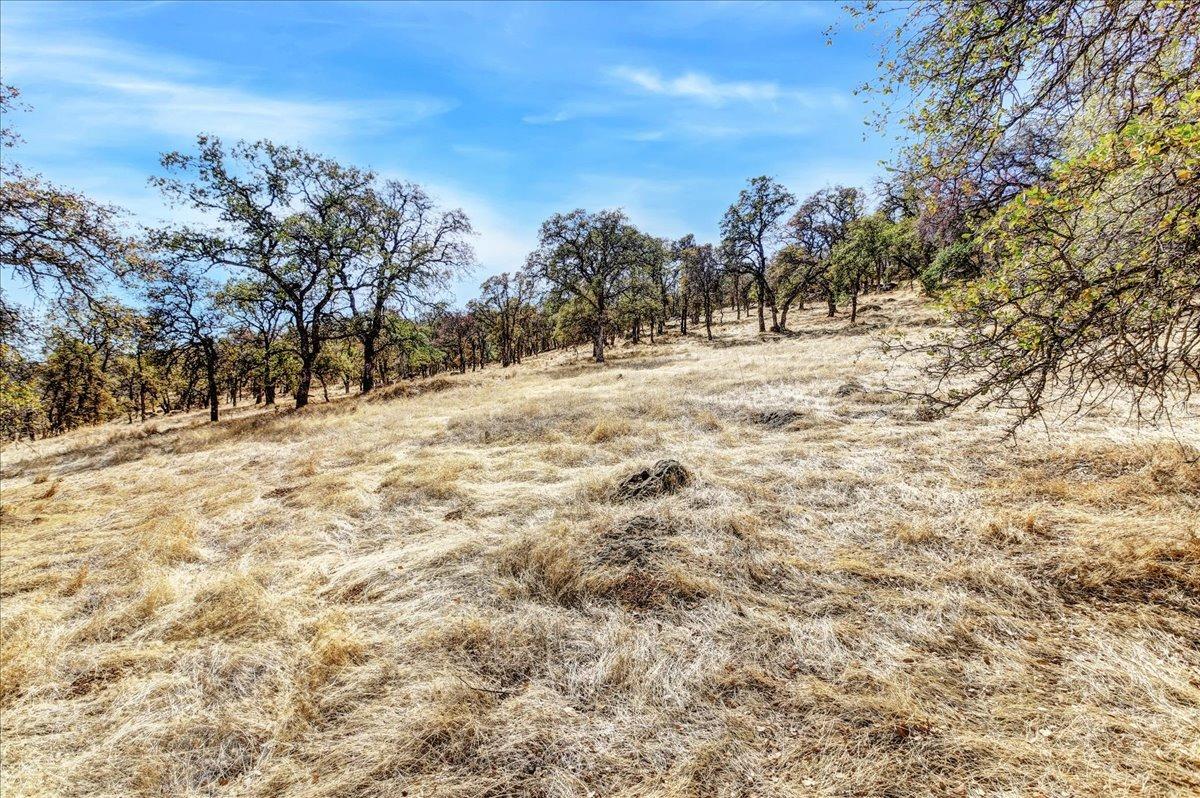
437	595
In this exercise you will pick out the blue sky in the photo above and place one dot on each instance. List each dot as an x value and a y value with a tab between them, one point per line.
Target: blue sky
510	111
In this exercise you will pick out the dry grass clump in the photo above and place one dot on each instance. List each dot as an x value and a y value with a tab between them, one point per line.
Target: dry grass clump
437	593
523	422
637	563
235	605
430	479
1108	473
410	389
169	539
608	427
18	658
915	531
1145	567
335	645
130	610
707	421
568	455
1151	554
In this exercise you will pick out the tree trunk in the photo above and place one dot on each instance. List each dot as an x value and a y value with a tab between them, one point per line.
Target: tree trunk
598	343
368	372
308	355
267	380
370	341
304	382
796	294
665	302
213	396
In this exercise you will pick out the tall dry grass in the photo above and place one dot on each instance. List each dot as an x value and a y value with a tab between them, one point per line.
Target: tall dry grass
434	594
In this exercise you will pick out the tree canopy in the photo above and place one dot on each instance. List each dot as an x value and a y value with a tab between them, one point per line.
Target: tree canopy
1055	144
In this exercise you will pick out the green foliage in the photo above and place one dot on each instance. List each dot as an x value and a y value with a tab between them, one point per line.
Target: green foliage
590	257
75	389
1057	147
751	232
22	414
59	243
1098	273
958	261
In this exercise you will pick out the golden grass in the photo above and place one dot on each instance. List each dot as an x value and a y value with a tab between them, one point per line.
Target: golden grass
433	592
609	427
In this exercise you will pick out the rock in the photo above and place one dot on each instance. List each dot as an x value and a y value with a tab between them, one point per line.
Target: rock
775	418
666	476
849	389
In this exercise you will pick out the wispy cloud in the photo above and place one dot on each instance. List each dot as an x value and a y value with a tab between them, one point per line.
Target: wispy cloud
183	109
110	90
696	86
574	110
702	88
549	118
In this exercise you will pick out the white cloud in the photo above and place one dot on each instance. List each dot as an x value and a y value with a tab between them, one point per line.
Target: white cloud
696	106
184	109
550	118
694	85
704	89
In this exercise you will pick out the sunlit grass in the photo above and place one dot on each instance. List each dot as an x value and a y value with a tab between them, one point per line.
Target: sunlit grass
435	592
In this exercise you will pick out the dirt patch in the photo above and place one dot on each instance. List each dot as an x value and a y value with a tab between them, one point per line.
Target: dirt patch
632	544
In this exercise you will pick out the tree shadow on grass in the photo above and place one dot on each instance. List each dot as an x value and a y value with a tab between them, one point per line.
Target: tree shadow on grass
117	449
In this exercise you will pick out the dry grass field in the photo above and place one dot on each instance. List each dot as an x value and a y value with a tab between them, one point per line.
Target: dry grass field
434	592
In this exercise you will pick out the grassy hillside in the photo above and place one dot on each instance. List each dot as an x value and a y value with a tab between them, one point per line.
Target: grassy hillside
434	593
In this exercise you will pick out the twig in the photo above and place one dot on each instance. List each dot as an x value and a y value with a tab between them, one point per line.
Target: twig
482	689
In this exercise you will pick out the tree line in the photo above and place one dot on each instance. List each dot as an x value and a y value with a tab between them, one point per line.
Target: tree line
309	274
1047	196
